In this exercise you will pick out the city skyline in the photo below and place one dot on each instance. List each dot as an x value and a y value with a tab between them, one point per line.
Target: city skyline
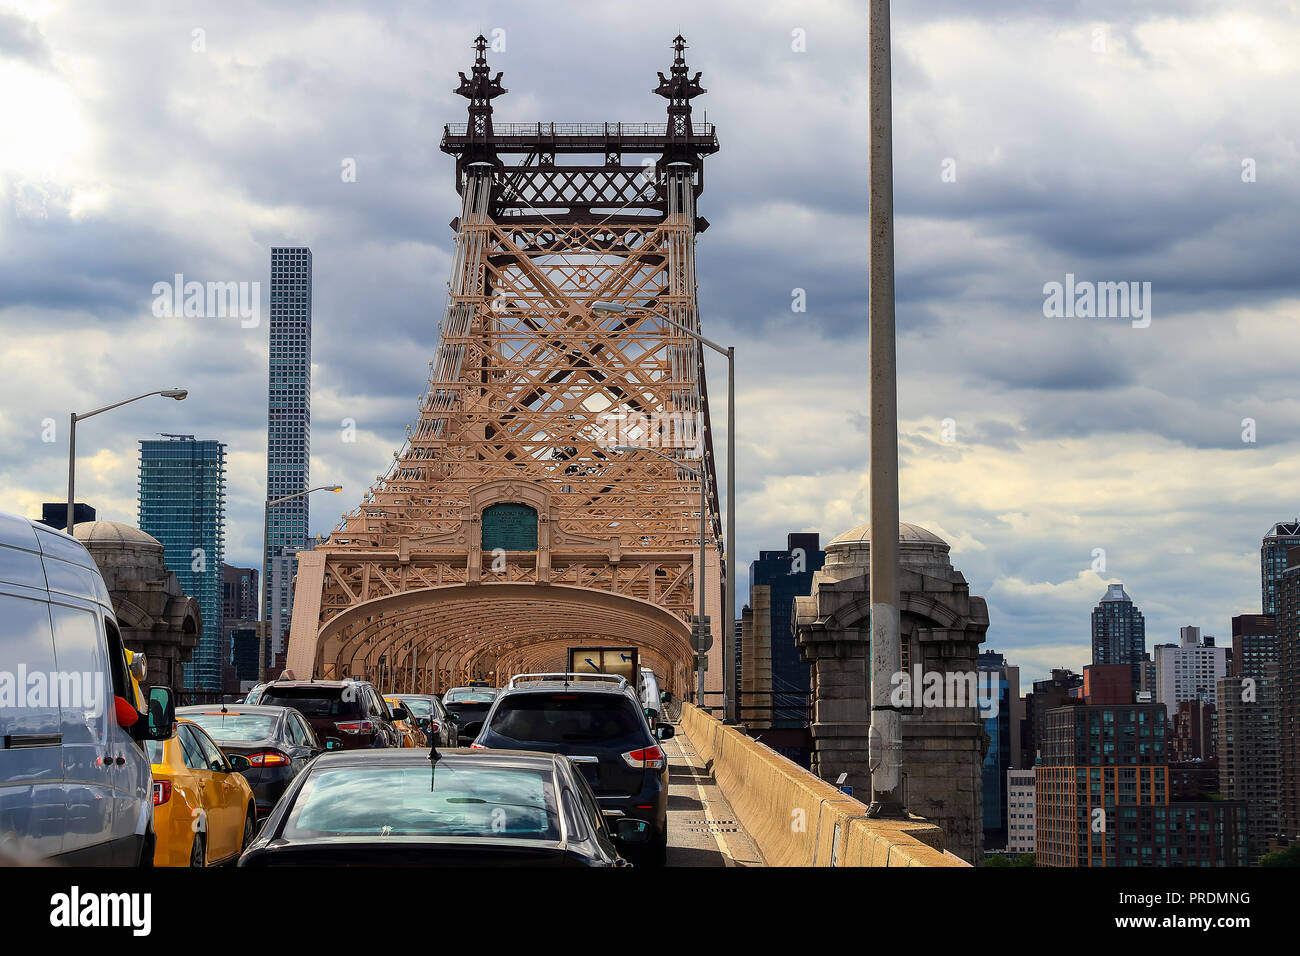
1139	429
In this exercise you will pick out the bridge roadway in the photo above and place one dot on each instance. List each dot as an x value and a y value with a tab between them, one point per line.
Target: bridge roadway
702	829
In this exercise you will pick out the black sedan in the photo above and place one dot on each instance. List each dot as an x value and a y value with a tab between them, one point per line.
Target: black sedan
466	808
431	716
278	742
468	706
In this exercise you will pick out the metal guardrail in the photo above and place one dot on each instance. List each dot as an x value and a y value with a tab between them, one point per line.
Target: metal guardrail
789	704
577	129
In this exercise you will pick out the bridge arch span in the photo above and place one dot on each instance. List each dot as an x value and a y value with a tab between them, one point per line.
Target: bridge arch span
438	636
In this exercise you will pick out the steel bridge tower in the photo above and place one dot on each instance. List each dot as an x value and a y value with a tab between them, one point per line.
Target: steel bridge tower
508	527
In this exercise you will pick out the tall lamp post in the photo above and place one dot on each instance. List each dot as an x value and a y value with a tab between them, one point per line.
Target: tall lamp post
729	610
265	621
885	741
699	615
174	393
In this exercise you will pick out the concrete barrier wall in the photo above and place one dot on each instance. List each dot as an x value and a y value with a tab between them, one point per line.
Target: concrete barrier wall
796	818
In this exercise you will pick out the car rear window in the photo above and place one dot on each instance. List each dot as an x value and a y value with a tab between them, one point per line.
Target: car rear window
416	705
469	697
567	718
314	701
235	726
501	803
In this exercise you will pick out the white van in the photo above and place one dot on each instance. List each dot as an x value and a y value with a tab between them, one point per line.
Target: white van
75	782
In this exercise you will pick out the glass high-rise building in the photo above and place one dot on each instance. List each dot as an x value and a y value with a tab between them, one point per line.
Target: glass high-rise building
182	504
785	574
1003	754
1119	631
1272	560
288	430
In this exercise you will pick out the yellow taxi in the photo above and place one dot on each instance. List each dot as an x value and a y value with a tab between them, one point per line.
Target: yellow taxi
203	810
138	669
412	735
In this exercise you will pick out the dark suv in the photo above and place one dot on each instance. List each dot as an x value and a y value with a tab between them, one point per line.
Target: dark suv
351	710
600	726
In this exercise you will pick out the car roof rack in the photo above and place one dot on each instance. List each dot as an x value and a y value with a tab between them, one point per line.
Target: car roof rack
570	677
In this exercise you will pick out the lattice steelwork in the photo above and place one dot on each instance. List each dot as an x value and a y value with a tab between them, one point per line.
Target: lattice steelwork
523	390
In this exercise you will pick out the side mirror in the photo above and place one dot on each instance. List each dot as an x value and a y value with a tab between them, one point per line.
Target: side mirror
631	831
665	731
455	716
333	743
239	763
162	714
401	713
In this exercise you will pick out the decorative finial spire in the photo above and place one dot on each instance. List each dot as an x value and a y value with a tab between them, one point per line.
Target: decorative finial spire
679	90
480	90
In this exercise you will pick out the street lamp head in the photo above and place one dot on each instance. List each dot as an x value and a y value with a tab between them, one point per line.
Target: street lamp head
334	488
176	393
625	448
608	307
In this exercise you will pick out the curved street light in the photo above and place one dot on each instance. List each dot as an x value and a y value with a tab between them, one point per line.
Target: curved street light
729	611
174	393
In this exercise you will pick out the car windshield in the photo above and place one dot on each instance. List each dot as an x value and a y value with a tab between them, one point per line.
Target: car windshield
313	701
416	705
469	697
235	726
567	718
496	802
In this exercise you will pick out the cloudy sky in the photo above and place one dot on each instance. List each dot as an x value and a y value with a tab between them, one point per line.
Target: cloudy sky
1151	142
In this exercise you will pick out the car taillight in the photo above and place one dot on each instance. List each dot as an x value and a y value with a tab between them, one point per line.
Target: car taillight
651	757
477	746
433	727
268	758
357	726
162	792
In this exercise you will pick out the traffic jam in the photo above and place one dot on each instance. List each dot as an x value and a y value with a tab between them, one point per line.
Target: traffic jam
97	769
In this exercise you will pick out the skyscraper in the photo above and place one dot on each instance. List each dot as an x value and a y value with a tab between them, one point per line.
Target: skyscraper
774	680
1249	750
182	504
1254	644
1047	694
1119	632
1020	811
238	593
1288	686
1272	560
1189	669
1003	754
288	430
1102	796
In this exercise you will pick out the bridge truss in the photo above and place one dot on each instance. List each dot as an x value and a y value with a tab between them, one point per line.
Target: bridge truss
508	528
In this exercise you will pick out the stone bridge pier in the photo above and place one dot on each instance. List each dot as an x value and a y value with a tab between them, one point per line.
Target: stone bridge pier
941	627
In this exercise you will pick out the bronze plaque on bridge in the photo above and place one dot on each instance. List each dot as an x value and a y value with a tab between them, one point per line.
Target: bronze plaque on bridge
510	527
